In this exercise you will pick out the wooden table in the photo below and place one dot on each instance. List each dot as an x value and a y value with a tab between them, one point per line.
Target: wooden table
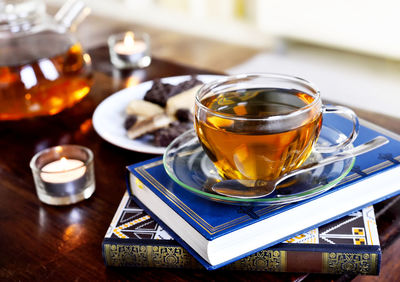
43	242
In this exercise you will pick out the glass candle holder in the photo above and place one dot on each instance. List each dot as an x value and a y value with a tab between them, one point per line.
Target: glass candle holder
63	174
130	50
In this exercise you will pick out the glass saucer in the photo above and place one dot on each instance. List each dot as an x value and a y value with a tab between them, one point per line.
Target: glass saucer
188	165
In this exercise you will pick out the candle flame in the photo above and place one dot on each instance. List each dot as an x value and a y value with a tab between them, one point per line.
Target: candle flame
87	59
129	39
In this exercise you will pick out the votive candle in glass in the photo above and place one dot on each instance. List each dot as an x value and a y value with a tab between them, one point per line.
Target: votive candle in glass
63	174
130	50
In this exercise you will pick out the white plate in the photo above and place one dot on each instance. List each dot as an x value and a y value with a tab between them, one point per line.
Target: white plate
109	116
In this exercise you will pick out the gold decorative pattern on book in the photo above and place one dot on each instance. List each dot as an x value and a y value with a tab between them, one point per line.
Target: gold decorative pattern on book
265	260
149	256
178	257
349	262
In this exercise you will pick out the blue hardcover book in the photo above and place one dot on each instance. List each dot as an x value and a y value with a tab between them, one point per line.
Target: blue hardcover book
218	234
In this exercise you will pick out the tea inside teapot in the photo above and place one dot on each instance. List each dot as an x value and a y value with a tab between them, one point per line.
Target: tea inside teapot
43	68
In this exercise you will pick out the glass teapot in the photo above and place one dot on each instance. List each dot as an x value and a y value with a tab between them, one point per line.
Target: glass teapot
43	68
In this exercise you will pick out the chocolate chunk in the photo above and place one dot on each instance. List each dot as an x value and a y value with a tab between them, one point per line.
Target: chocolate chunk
184	115
183	86
164	136
129	121
158	93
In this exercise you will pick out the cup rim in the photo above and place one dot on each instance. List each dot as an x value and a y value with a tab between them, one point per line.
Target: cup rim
208	87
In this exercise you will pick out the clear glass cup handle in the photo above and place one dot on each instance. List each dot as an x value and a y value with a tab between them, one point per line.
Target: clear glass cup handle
350	138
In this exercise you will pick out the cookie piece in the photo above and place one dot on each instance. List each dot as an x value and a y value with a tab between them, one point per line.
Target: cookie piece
148	125
143	108
183	100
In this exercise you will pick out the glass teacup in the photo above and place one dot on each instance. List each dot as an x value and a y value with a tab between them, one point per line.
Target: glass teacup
260	126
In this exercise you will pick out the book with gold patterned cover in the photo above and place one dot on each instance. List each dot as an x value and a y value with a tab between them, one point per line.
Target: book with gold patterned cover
347	245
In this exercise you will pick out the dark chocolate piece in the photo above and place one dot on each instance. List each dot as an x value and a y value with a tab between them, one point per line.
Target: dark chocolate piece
158	93
184	115
129	121
164	136
184	85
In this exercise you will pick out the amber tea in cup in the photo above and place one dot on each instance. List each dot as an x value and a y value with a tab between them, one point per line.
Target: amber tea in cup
261	126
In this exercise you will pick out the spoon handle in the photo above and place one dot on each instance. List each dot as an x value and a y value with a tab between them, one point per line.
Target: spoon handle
361	149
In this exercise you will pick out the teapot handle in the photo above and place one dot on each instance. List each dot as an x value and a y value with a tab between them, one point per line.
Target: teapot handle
72	13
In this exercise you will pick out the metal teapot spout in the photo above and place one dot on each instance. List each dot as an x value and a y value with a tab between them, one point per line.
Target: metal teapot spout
72	13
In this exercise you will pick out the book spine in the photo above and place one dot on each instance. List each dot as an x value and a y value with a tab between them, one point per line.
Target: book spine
281	259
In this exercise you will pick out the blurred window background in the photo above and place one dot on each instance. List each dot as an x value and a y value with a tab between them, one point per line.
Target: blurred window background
365	26
349	48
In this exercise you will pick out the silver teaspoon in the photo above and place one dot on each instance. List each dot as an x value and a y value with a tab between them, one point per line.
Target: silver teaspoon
252	189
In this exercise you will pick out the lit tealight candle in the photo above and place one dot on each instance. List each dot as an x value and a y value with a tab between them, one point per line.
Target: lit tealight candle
63	174
63	170
130	46
130	50
64	177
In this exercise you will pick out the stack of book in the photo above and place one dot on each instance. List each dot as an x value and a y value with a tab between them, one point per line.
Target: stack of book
333	232
347	245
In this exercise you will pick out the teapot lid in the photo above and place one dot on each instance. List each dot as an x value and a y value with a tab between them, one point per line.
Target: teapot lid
20	15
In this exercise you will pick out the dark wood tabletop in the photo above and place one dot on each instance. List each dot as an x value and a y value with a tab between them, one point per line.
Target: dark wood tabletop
57	243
